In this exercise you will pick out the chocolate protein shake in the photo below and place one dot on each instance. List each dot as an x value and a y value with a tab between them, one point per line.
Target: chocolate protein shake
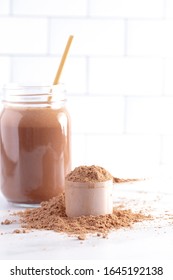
35	144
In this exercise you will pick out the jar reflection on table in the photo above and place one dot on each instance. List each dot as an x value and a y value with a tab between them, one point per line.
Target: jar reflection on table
35	144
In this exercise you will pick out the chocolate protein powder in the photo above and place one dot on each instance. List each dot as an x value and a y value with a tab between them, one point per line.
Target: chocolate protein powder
91	173
95	173
51	216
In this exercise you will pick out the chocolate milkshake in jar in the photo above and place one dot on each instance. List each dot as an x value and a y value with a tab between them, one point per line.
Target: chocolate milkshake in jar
35	141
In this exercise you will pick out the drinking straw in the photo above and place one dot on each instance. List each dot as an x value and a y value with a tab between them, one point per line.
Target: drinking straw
63	59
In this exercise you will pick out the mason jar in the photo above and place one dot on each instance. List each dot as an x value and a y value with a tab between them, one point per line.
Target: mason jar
35	141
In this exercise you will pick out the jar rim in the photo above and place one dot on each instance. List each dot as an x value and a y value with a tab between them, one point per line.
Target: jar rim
18	86
20	93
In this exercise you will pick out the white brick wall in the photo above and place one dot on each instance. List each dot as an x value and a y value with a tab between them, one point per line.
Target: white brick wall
97	114
145	37
126	76
150	38
149	115
127	8
4	7
62	8
118	73
42	69
92	36
20	35
168	89
131	155
5	69
169	9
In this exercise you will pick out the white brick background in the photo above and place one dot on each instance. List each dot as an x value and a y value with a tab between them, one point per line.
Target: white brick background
119	73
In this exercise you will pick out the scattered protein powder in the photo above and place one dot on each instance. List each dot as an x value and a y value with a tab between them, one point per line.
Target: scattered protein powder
20	231
51	216
6	222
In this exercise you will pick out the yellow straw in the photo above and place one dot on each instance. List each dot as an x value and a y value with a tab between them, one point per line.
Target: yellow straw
59	71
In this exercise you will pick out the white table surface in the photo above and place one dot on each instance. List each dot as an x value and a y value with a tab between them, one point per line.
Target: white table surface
145	240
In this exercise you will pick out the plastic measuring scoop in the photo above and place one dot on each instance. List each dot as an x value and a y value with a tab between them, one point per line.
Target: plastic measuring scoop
88	198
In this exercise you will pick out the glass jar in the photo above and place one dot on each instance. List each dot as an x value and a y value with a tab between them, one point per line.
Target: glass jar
35	139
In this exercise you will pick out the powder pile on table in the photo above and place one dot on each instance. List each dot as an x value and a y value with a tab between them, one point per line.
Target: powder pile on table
51	216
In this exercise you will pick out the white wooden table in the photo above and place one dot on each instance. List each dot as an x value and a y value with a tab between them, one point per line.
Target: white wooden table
146	240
